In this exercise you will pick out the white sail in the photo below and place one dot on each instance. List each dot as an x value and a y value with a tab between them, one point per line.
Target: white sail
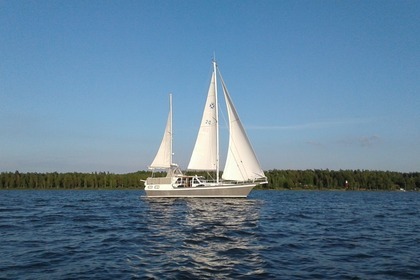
241	162
163	158
204	155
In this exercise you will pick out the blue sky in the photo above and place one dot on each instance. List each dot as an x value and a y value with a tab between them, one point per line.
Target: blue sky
318	84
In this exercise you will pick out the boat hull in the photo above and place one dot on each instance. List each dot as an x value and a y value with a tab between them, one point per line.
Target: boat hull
241	190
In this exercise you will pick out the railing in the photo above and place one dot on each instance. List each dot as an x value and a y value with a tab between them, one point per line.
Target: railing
257	181
159	180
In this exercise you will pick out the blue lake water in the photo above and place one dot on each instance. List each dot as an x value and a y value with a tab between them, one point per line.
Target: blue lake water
272	234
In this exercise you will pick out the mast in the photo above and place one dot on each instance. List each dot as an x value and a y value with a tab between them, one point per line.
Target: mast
170	128
217	121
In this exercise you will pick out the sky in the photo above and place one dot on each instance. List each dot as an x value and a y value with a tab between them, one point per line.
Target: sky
318	84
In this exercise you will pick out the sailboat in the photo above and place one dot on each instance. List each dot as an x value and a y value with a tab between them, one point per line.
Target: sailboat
242	171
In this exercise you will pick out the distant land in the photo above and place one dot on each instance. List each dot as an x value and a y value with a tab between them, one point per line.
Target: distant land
277	179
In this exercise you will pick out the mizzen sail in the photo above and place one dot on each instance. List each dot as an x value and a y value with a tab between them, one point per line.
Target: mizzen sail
163	158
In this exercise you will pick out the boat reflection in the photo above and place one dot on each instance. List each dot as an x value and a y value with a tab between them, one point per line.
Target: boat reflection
215	238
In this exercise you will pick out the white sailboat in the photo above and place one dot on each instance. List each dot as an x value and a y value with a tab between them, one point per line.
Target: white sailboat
242	170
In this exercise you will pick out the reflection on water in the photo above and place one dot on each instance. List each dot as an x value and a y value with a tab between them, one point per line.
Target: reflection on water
270	235
203	237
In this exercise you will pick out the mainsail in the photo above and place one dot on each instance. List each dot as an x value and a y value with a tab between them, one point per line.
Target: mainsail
204	155
163	158
241	162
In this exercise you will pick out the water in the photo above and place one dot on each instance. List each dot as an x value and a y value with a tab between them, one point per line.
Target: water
272	234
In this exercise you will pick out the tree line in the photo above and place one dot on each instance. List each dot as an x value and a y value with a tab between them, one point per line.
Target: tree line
343	179
277	179
73	180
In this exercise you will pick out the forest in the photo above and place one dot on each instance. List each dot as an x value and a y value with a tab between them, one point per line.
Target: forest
277	179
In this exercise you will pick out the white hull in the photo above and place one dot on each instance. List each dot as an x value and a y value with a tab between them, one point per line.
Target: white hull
236	190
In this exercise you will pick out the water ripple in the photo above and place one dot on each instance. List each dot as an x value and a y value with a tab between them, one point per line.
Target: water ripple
281	235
